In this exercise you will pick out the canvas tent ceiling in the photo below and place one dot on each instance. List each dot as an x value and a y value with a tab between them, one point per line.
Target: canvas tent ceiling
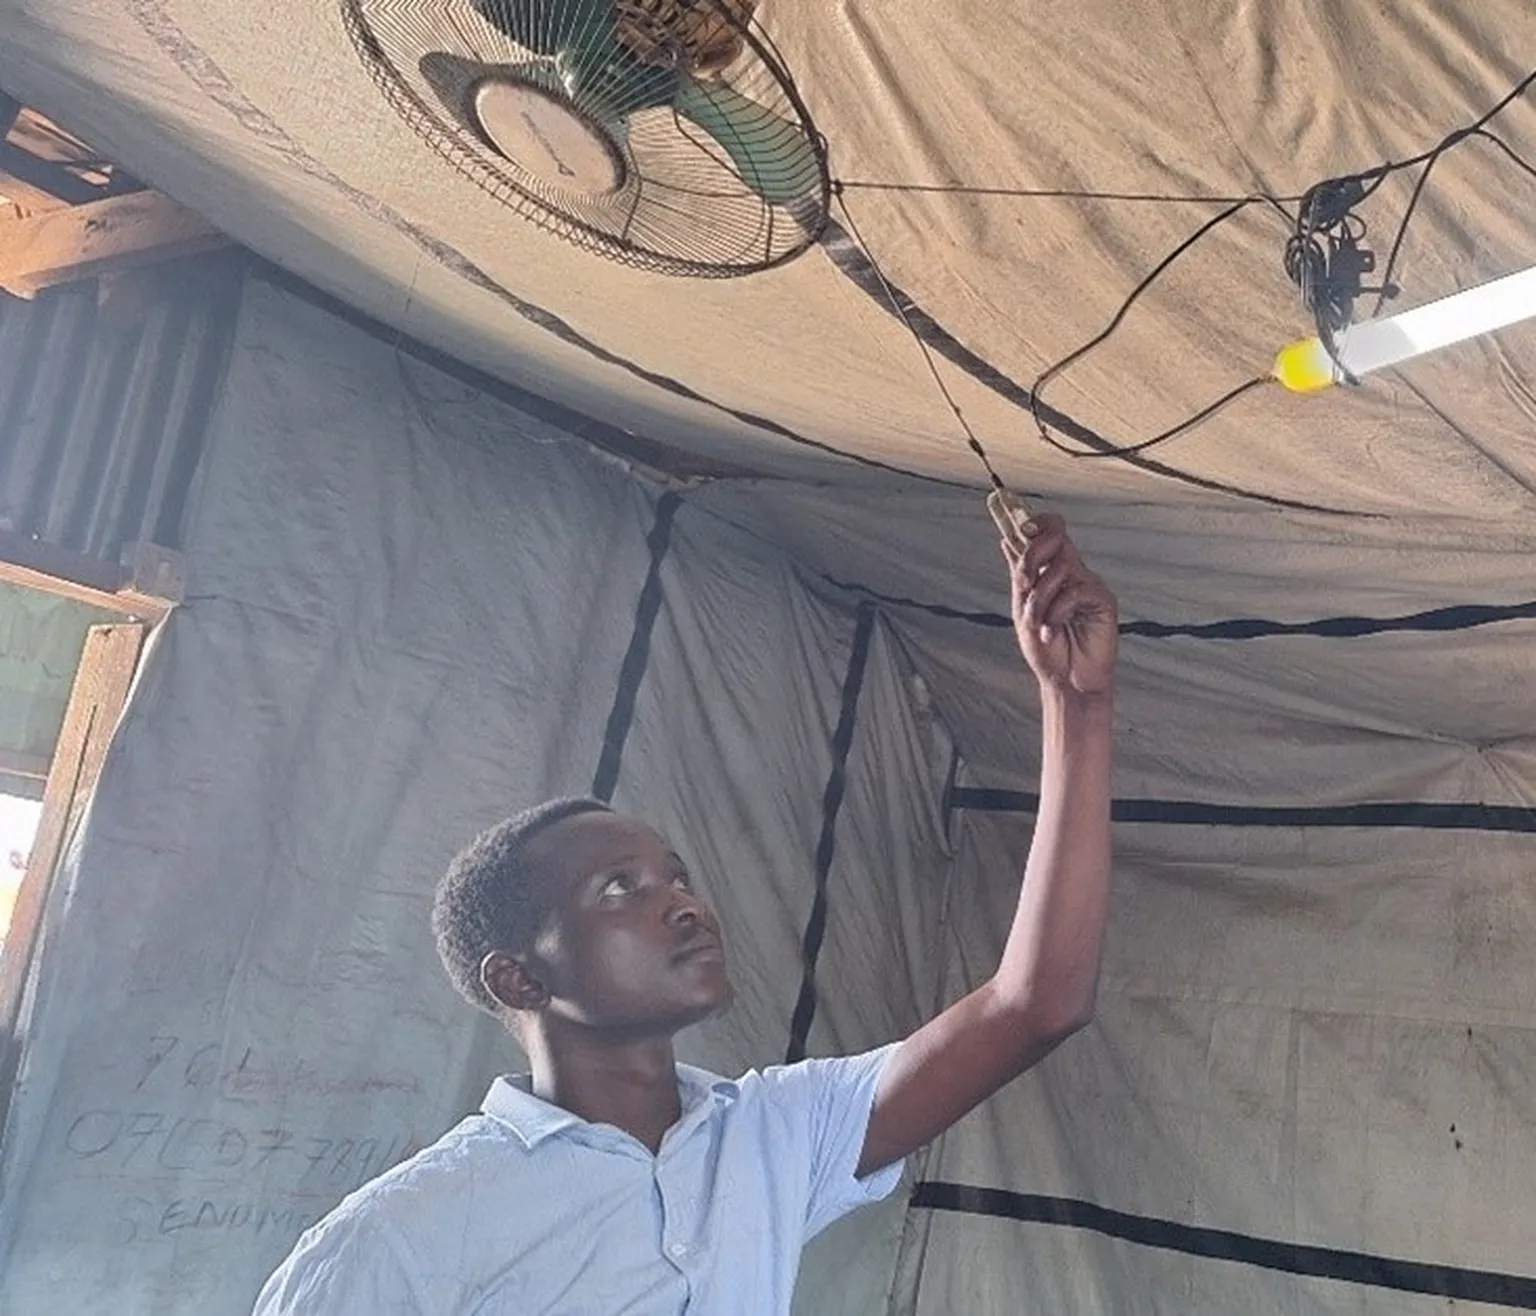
1320	958
263	118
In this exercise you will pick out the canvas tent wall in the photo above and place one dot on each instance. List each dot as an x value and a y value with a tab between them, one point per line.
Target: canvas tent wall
413	606
412	610
1318	976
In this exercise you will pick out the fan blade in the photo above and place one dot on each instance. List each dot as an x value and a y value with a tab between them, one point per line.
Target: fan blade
772	155
604	79
550	27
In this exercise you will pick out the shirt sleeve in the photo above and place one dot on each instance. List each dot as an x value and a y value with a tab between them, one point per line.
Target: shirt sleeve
347	1265
838	1096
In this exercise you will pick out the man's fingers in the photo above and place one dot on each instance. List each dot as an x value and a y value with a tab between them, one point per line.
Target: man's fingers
1047	574
1051	543
1044	591
1044	546
1048	521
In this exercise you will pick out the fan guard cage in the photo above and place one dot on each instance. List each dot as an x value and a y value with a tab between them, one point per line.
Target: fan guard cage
681	205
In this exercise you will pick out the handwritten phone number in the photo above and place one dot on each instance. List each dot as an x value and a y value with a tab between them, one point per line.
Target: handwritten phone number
151	1138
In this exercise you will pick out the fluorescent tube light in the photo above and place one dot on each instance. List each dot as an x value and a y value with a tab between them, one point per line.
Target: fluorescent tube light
1305	367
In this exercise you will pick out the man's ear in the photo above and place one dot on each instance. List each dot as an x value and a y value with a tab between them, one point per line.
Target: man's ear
510	981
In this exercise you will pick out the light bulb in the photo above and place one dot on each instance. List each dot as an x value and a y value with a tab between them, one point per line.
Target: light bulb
1305	367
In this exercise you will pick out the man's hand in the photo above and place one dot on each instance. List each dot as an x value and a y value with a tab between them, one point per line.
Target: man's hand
1045	984
1065	617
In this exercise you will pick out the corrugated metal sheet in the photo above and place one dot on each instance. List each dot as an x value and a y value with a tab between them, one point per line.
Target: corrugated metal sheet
103	417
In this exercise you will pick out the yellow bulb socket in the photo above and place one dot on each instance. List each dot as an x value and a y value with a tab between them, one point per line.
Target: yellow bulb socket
1305	367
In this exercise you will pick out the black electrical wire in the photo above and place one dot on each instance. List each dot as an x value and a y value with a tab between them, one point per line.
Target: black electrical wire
1459	135
1127	450
972	442
1049	194
1234	204
1324	256
1387	288
1509	151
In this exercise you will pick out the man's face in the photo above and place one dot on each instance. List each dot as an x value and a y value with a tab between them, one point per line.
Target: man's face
628	946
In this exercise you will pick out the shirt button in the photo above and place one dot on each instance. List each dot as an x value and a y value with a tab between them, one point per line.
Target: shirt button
678	1249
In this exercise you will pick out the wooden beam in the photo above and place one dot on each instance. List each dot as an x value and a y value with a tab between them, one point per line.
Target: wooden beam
96	702
47	165
99	237
48	178
40	136
27	198
36	565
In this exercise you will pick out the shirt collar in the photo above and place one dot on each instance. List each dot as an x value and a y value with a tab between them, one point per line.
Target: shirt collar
533	1119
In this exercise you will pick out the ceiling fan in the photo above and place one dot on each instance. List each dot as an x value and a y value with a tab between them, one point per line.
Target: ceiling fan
666	134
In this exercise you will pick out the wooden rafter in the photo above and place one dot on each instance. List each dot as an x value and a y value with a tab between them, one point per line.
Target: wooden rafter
36	565
66	214
23	195
96	702
41	136
43	166
36	185
98	238
16	197
44	140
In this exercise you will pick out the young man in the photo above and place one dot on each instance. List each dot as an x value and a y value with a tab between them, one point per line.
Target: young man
612	1179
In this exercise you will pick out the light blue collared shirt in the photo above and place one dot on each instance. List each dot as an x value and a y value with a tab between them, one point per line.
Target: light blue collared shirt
527	1210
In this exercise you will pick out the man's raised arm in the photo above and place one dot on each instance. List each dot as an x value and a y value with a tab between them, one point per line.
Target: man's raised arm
1044	988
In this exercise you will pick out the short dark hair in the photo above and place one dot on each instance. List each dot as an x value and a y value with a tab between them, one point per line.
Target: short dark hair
489	899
